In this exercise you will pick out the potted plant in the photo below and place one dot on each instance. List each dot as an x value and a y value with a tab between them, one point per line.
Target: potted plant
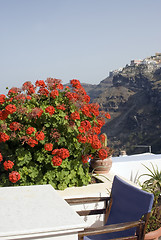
48	133
153	185
102	161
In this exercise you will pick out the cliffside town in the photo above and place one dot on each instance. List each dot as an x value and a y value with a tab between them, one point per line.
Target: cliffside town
132	95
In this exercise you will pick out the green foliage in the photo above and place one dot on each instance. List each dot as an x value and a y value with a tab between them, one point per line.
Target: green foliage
153	185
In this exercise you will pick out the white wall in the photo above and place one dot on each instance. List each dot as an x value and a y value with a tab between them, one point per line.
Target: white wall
131	166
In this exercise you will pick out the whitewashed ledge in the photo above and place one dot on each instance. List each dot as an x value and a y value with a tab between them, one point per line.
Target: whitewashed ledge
37	212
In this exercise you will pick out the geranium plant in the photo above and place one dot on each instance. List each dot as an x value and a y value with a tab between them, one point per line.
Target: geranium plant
48	133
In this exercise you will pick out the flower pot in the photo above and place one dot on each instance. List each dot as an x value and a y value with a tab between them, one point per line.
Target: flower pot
101	166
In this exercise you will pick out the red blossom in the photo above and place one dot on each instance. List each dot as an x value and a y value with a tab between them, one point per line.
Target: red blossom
36	112
94	108
108	116
85	158
87	98
86	111
72	96
57	161
97	130
4	137
63	153
30	130
50	110
8	165
86	125
102	153
31	142
21	97
40	83
96	144
81	129
60	86
55	151
48	146
102	138
2	98
82	138
54	93
100	122
55	134
75	83
14	176
13	90
61	107
43	91
53	83
40	136
10	108
28	97
75	116
3	115
1	157
14	126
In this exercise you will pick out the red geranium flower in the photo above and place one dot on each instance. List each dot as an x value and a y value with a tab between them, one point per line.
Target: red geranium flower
10	108
86	158
54	93
31	142
108	116
14	126
60	86
43	91
48	146
97	130
102	153
14	176
4	137
102	138
28	97
2	98
36	112
61	107
30	130
86	125
75	83
40	136
96	144
1	157
57	161
81	138
40	83
85	110
8	165
75	115
3	115
50	110
63	153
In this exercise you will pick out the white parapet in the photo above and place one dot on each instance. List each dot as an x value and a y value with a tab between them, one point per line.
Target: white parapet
133	166
37	212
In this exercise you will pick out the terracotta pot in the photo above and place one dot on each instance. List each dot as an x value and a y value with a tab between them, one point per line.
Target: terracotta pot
101	166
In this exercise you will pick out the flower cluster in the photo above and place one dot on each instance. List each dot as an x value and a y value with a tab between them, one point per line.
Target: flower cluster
48	134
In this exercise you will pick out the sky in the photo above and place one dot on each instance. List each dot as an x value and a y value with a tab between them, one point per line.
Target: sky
74	39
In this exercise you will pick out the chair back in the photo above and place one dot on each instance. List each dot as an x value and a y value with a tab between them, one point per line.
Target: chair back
129	203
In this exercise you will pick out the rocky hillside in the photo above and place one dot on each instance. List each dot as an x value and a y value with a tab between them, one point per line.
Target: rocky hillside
133	98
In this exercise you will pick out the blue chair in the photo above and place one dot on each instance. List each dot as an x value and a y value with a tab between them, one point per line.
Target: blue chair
126	215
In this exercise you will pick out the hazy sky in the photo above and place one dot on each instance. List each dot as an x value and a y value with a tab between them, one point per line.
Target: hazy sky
82	39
